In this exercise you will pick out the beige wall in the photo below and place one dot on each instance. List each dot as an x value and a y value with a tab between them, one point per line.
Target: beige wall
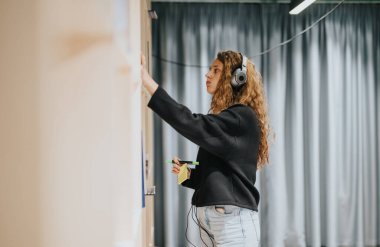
70	123
20	222
147	123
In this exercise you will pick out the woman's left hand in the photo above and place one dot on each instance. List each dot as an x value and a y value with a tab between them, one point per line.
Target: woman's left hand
177	166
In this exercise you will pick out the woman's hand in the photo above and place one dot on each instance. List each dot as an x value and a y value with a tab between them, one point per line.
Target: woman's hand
147	81
177	166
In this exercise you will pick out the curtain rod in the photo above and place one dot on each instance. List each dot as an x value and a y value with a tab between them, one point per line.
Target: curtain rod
264	2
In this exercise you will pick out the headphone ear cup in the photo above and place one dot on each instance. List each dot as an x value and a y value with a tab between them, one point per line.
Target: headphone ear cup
234	83
239	77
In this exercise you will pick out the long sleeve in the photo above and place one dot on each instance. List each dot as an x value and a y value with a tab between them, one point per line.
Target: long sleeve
214	133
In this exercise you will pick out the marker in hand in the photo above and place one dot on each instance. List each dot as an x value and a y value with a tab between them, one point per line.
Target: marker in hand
183	170
184	162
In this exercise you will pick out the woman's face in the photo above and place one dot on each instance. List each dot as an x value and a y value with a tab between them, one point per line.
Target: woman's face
213	75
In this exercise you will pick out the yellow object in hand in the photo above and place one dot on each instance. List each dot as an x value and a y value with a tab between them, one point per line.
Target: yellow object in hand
183	174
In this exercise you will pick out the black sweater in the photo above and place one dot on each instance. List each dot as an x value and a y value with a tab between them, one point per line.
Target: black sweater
228	147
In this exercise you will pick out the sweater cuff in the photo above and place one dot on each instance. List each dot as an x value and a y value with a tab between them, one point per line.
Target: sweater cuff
154	100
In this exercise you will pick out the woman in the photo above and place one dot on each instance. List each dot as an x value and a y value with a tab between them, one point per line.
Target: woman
232	146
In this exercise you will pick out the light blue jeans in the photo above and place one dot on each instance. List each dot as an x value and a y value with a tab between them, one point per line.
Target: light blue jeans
228	226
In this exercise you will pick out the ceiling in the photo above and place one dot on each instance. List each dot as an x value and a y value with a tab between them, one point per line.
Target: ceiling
268	1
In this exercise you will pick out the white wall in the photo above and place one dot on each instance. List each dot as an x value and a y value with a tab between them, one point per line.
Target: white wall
70	123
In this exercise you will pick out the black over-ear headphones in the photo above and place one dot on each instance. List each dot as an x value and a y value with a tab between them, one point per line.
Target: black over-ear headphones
239	76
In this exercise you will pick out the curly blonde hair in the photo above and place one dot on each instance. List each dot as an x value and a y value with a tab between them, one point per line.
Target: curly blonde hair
250	94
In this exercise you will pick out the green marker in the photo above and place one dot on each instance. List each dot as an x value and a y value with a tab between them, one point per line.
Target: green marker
184	162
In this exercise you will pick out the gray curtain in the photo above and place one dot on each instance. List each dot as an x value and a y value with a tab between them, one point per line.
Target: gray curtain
322	186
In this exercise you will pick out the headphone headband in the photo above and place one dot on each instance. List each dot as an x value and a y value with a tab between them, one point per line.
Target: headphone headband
244	63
